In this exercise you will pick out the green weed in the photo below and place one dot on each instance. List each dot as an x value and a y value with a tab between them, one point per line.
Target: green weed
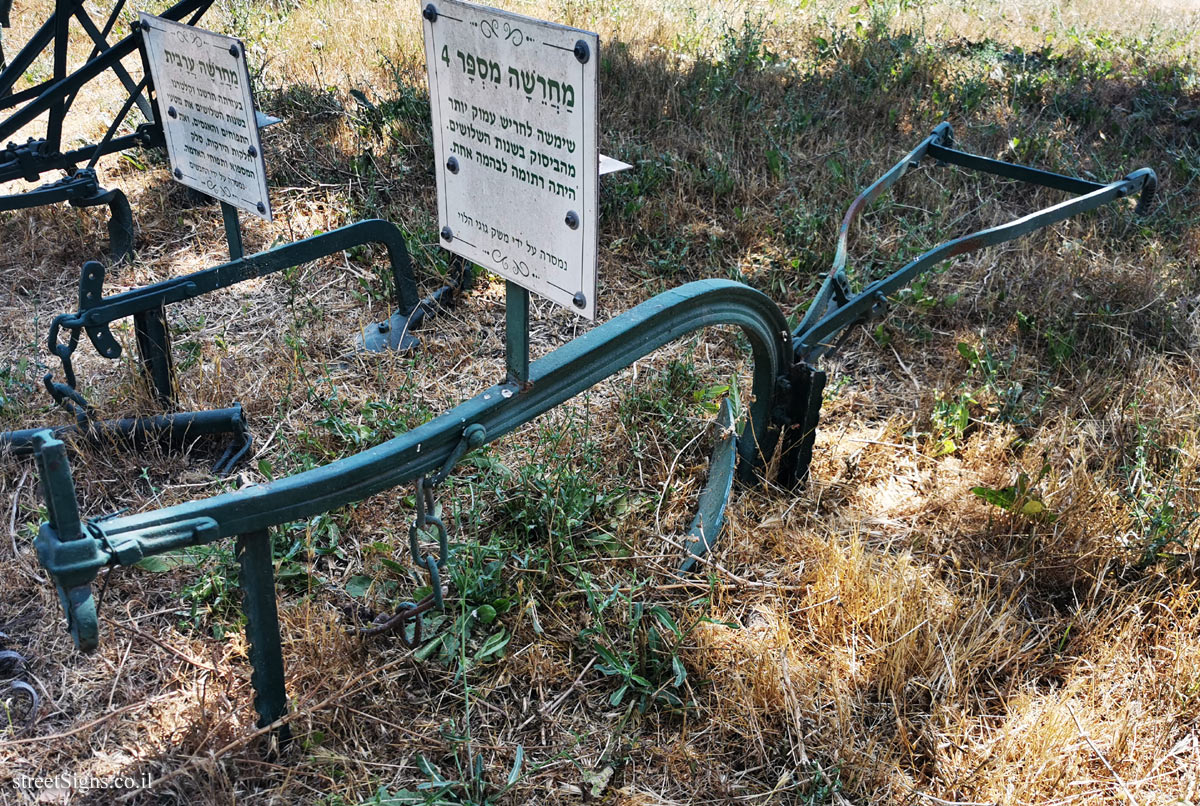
636	645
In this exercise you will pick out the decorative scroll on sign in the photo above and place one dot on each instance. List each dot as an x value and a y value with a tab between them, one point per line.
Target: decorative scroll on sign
207	110
514	123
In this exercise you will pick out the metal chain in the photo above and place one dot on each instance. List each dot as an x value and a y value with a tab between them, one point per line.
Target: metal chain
472	437
414	612
74	403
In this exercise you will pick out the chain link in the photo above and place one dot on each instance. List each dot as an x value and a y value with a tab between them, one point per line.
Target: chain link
413	612
64	351
426	518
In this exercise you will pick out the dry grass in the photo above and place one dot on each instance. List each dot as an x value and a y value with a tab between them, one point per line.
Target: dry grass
884	636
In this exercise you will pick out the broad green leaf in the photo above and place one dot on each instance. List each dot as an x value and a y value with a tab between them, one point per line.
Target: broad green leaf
664	618
494	644
165	562
426	652
680	672
156	564
1001	498
611	664
359	585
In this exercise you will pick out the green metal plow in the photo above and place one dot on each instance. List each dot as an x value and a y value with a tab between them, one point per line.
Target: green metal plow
73	549
836	308
147	306
780	426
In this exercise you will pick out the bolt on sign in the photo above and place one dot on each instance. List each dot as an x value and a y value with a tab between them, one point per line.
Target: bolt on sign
202	87
514	123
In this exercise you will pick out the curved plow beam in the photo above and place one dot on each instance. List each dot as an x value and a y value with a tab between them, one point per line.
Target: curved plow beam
73	551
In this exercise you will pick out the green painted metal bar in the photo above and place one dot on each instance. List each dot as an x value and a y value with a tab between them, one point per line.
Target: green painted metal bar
63	545
98	37
153	337
233	231
257	580
714	498
835	281
178	428
147	307
22	61
14	167
802	396
516	333
1008	170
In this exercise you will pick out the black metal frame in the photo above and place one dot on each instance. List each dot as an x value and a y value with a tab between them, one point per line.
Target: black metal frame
55	97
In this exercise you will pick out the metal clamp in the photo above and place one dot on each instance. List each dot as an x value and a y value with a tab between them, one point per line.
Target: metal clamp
68	551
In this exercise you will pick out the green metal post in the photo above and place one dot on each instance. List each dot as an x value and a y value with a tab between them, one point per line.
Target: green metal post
233	231
262	628
154	348
63	543
516	333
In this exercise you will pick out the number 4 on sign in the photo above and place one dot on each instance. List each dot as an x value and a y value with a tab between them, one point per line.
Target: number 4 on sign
446	55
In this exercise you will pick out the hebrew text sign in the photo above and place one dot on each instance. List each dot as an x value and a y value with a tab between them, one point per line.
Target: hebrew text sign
514	131
207	110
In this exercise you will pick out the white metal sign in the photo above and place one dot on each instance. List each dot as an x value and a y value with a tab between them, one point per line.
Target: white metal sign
514	131
207	111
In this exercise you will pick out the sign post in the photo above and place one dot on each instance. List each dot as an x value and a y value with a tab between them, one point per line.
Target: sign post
513	101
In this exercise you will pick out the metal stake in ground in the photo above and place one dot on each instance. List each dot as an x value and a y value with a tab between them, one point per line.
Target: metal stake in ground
262	628
233	231
516	333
